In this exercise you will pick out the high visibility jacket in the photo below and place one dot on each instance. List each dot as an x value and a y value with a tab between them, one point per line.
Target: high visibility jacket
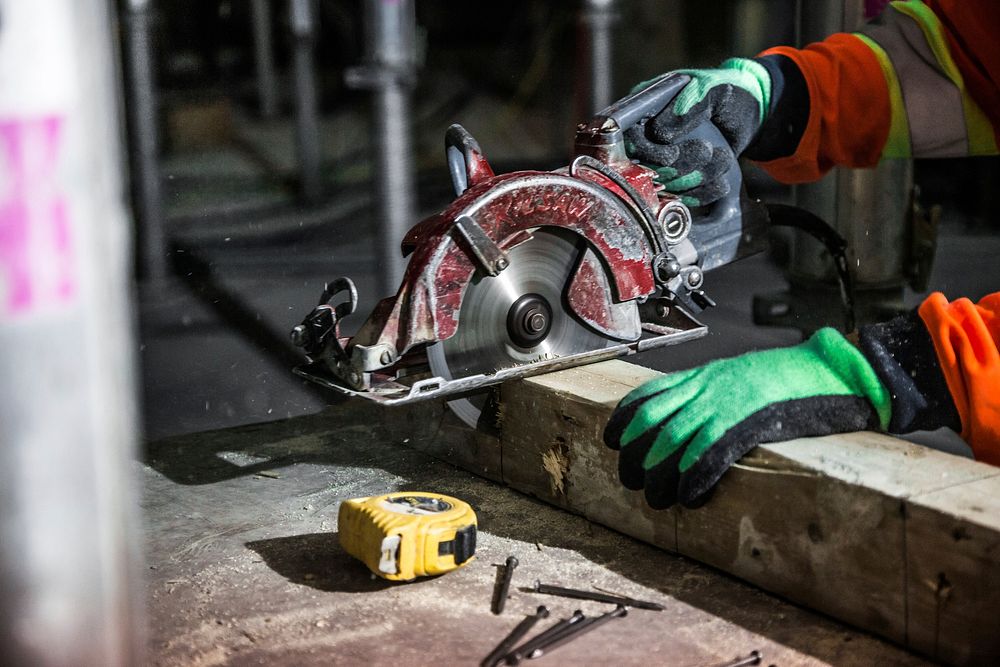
920	80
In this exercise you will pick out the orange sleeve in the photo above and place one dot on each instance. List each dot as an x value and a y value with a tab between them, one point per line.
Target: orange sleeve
966	337
849	109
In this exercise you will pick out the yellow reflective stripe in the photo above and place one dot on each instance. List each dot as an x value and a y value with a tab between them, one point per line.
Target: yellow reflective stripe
931	27
982	140
898	142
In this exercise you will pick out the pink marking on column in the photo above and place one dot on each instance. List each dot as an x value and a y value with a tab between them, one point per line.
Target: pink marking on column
13	220
36	254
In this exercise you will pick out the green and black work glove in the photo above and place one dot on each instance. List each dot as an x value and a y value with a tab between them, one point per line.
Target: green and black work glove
678	434
759	105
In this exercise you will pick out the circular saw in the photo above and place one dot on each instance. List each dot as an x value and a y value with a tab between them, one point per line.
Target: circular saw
530	272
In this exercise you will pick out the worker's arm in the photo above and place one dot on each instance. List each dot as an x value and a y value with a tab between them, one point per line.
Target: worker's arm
937	366
966	339
921	80
918	81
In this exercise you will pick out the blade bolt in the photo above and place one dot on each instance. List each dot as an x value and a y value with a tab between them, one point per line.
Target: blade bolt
385	358
501	264
504	575
529	320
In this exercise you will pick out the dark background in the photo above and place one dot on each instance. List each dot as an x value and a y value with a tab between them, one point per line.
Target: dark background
249	258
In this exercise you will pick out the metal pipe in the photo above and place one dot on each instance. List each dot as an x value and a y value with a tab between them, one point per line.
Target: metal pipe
598	18
68	426
871	213
263	49
389	71
307	135
869	208
142	105
394	184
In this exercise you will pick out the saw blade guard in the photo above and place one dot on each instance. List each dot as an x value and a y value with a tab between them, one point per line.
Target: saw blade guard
474	235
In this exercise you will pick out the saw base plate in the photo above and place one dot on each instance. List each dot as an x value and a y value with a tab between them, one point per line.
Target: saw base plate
389	391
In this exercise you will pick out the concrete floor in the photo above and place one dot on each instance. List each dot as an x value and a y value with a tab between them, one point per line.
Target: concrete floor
245	568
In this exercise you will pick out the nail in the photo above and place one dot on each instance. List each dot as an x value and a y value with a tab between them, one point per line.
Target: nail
521	629
753	659
502	585
598	597
518	654
576	630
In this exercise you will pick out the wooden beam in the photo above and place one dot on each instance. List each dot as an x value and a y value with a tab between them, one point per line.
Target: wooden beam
889	536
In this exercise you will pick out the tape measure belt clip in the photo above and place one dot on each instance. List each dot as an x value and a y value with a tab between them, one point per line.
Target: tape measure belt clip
462	547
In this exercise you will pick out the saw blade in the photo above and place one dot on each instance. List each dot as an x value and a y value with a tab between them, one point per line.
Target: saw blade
517	317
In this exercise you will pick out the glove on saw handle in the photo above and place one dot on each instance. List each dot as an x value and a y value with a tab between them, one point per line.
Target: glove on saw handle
720	229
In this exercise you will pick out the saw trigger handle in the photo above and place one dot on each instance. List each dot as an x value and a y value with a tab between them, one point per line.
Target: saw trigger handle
723	231
726	210
717	228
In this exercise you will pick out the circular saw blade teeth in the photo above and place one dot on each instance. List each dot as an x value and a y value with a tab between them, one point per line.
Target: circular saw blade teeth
483	342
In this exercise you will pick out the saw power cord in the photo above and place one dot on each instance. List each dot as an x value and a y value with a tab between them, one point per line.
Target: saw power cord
784	215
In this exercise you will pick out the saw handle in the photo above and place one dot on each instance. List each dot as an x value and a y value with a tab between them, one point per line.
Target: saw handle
643	103
727	209
718	229
466	161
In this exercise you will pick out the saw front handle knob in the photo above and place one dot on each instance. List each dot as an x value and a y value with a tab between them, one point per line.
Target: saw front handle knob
322	325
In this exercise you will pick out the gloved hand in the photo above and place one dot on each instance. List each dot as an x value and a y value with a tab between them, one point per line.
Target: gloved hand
739	97
678	434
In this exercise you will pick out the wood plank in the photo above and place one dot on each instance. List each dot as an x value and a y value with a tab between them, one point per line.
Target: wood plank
477	451
853	525
550	425
953	585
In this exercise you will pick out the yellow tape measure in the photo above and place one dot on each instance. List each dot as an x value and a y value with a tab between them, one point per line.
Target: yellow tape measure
402	536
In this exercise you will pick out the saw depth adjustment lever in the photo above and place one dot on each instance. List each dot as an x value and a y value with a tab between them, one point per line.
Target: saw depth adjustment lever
322	325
